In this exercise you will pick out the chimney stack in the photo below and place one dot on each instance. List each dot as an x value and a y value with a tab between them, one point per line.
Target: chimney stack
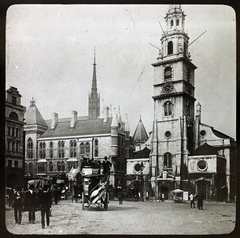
54	120
73	119
106	114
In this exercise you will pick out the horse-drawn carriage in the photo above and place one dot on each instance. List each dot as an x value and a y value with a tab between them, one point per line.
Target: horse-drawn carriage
95	188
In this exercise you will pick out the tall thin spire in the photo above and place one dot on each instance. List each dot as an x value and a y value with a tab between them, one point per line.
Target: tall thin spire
94	79
94	98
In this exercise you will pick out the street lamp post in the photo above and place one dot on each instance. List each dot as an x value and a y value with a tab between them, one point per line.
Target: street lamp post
142	181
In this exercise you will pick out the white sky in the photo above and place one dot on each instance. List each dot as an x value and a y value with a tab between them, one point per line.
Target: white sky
50	51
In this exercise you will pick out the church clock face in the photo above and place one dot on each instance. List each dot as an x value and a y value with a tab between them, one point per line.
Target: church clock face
168	88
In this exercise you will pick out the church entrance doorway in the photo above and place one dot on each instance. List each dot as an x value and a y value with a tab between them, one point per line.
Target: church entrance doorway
164	192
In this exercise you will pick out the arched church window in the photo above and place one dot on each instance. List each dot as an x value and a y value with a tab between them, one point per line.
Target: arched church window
96	148
168	73
177	22
51	149
29	148
167	160
13	116
61	149
168	107
170	47
82	148
87	147
171	23
59	166
42	150
41	168
73	147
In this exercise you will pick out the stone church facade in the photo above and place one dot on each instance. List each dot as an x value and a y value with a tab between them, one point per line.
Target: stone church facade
178	134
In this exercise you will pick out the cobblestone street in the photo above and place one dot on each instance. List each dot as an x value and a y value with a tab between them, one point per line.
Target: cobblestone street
131	218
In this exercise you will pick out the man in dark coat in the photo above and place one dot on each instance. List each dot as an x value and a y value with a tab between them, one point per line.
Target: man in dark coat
200	201
18	205
106	166
120	193
45	205
30	203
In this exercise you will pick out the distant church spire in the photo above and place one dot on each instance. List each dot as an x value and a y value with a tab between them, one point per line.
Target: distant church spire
94	98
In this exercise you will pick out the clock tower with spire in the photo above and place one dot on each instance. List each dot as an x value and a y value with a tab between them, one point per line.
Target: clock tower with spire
173	106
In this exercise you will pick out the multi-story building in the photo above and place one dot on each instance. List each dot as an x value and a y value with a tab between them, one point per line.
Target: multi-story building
14	139
176	160
58	145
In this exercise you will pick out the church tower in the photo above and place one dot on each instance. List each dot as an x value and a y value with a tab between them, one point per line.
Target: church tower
94	98
173	104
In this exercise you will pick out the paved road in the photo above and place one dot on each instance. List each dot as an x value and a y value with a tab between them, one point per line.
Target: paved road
131	218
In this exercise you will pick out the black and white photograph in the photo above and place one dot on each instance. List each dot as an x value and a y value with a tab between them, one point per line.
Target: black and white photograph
120	119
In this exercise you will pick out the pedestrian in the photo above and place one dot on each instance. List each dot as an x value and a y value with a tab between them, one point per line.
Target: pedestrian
18	205
120	193
106	166
55	194
192	202
200	201
45	205
30	203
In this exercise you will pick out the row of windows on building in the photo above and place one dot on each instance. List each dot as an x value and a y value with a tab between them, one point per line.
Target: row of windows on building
60	167
13	131
84	148
13	146
13	165
49	167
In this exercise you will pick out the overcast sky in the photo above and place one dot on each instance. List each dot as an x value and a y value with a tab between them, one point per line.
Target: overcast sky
50	53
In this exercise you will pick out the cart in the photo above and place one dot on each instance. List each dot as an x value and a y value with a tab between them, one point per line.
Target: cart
95	189
178	195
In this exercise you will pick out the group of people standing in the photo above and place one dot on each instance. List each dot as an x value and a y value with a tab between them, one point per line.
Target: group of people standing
104	167
27	200
199	197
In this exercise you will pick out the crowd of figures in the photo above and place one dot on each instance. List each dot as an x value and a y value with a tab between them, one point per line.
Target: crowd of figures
31	201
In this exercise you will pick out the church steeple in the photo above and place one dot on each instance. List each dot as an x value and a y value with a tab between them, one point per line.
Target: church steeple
94	98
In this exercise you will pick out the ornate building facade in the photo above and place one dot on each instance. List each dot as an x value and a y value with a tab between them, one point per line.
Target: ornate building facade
56	146
14	139
177	133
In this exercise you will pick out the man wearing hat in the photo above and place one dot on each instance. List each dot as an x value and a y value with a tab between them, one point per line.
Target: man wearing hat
106	166
18	205
30	203
45	205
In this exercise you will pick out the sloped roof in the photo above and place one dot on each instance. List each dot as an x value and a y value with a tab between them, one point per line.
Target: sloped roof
33	116
82	127
205	149
144	153
140	134
219	134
